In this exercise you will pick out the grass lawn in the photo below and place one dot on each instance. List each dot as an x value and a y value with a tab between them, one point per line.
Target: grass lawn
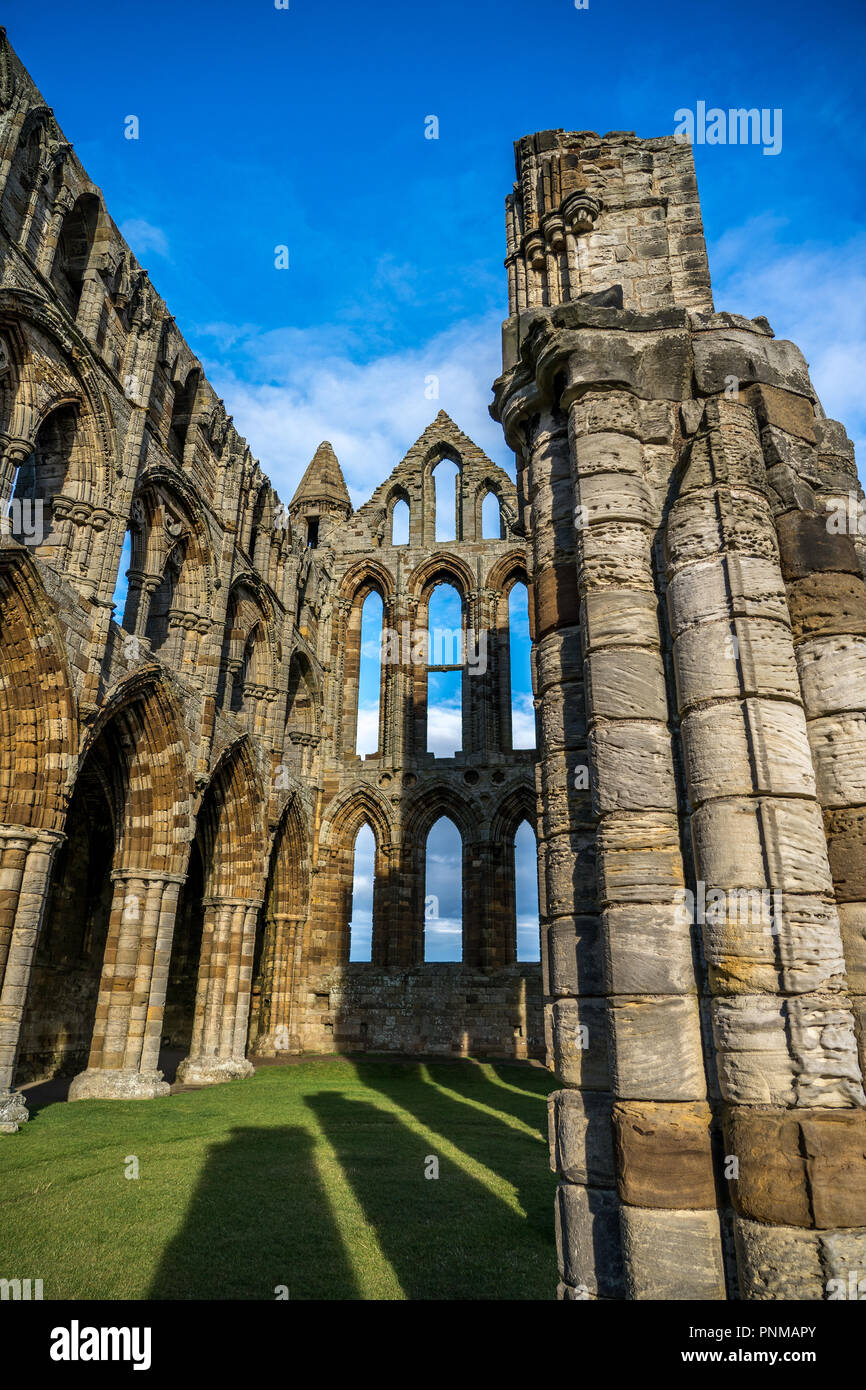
309	1175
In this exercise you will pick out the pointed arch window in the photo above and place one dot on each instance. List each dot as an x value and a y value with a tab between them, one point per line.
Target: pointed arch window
443	893
491	517
361	908
445	640
526	894
369	676
446	477
520	670
400	522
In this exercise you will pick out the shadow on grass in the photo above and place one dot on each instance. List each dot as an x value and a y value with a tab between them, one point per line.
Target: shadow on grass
260	1218
507	1152
458	1236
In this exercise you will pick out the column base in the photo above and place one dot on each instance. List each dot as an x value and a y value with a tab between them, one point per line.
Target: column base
118	1085
208	1071
13	1112
276	1044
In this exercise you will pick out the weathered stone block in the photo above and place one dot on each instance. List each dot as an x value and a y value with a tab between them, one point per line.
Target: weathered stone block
581	1137
672	1255
655	1048
588	1239
664	1155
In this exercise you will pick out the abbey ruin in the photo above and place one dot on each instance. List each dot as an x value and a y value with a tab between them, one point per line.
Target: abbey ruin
181	791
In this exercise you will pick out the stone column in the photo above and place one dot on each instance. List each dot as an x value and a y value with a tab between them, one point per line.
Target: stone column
587	1204
222	1006
827	602
661	1117
784	1038
283	932
26	857
127	1030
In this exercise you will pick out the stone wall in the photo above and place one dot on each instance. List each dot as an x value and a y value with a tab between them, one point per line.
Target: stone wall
175	785
700	656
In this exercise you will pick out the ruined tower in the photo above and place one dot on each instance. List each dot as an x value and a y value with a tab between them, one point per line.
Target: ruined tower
700	652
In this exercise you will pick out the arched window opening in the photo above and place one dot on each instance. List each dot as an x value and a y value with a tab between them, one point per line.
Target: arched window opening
443	893
22	179
400	523
239	696
491	518
361	911
162	602
312	532
369	676
446	476
181	414
73	251
526	894
519	647
40	479
121	587
445	651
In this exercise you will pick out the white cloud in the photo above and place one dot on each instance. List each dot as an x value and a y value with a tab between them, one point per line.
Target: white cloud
291	388
812	293
143	237
368	729
522	722
444	730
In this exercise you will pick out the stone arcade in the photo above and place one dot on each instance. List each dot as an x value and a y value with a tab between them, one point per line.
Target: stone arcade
180	793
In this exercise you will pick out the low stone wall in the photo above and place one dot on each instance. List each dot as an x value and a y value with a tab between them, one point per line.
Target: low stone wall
450	1010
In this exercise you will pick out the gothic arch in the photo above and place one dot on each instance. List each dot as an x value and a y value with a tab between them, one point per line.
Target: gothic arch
433	802
279	932
72	256
49	371
367	577
249	677
139	749
229	826
350	810
171	575
364	577
357	806
441	567
38	712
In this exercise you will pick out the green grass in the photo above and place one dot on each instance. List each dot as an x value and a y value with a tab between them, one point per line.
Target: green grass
310	1176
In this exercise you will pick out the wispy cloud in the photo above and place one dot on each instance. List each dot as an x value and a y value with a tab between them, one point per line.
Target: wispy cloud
291	388
143	237
812	293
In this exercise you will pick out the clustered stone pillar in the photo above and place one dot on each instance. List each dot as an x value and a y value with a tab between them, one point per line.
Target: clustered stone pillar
127	1030
222	1006
671	1237
282	933
26	857
587	1202
827	601
782	1023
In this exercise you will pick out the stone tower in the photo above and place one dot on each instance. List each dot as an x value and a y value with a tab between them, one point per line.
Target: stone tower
321	499
700	666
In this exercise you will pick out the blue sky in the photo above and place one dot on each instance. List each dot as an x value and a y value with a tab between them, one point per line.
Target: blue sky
304	127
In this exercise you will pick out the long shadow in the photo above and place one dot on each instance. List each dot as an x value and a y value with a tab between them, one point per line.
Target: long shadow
259	1219
513	1156
450	1237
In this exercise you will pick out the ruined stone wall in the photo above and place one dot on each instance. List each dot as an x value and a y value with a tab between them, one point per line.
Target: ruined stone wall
162	768
700	653
488	1002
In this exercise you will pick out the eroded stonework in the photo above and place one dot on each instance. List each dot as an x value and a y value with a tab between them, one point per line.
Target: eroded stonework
181	793
700	625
